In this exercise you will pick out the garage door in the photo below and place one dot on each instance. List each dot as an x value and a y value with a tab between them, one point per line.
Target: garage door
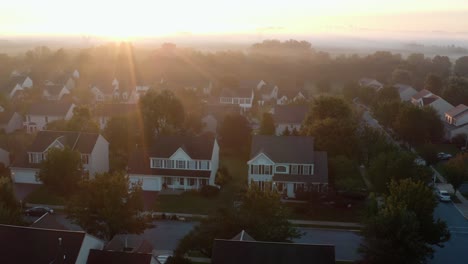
25	177
150	185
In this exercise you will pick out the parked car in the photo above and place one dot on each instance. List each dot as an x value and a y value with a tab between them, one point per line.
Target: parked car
444	156
38	211
443	196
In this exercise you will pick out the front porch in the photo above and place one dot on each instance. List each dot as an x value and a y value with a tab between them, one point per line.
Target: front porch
290	189
183	183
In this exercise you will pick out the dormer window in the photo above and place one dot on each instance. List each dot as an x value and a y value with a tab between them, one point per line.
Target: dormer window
281	169
36	157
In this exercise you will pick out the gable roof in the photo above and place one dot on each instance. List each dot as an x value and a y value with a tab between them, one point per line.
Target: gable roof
294	114
292	149
54	89
430	99
79	141
459	109
236	92
243	236
247	252
135	242
421	94
117	257
50	109
6	116
200	147
33	245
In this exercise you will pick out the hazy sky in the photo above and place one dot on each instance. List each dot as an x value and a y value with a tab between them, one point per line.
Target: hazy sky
133	18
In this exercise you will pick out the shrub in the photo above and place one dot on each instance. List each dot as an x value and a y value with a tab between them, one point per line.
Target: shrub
222	176
209	191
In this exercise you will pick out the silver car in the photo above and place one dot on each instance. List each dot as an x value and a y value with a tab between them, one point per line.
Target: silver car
443	196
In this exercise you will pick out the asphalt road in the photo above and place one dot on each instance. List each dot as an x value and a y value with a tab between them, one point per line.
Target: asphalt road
455	251
346	242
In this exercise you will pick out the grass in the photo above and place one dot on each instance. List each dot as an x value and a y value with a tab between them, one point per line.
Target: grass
447	148
194	203
44	196
318	212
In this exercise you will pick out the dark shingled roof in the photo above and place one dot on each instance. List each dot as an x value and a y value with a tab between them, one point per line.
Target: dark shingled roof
284	149
320	171
254	252
421	94
290	114
54	89
115	109
239	92
48	221
50	109
459	109
135	242
79	141
115	257
430	100
34	245
6	116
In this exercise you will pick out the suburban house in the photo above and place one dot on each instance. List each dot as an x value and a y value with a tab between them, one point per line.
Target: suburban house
371	83
17	84
267	93
456	121
246	250
93	148
287	165
40	114
426	98
10	121
54	92
287	96
137	93
126	248
242	97
289	117
104	112
176	162
214	115
21	244
406	92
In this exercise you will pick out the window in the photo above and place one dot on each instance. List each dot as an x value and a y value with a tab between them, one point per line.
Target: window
180	164
306	170
169	164
203	182
204	165
156	163
192	164
255	169
294	169
191	182
281	169
267	169
181	181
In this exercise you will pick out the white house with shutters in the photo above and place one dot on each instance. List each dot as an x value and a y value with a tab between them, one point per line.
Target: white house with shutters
287	165
176	162
41	114
93	148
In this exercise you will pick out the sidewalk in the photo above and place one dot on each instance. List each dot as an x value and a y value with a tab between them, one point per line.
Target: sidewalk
461	207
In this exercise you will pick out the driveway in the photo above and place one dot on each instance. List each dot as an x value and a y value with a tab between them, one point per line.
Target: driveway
22	190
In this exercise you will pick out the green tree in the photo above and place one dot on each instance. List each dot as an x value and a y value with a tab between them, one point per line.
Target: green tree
434	84
372	142
10	211
351	91
456	91
82	120
328	107
345	174
105	206
61	171
395	165
162	113
456	171
429	153
235	132
403	229
402	76
286	132
261	214
461	66
267	127
387	112
121	133
324	86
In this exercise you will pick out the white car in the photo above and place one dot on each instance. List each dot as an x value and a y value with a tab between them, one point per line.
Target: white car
443	196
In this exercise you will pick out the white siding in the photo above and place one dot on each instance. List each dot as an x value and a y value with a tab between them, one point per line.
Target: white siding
282	127
22	175
99	160
28	83
15	123
89	242
149	182
214	163
180	155
69	114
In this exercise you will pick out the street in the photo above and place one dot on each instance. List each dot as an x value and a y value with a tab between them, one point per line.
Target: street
455	250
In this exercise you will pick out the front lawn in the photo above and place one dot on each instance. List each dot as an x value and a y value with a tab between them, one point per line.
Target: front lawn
44	196
321	212
194	203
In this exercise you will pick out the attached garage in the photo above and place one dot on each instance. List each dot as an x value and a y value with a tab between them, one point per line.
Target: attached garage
149	183
24	176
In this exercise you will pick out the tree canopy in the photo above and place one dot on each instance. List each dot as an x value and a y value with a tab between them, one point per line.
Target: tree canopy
235	132
106	206
403	228
456	170
10	211
267	127
61	171
261	214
